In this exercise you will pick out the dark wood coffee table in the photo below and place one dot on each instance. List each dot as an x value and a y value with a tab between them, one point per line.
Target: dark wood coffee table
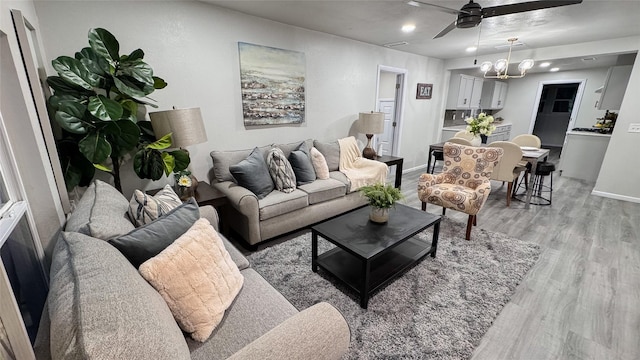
369	255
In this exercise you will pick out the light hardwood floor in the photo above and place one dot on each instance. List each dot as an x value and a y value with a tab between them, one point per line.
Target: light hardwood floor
582	298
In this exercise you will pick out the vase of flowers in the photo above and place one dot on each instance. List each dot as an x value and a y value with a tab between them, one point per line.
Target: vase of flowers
184	184
481	125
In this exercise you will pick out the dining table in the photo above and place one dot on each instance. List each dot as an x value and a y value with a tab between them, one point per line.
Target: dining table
530	155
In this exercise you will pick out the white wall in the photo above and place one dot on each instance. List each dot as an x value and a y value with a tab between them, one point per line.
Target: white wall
194	47
521	98
620	172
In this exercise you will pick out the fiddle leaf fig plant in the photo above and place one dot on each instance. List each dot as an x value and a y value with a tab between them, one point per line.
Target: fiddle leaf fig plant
96	98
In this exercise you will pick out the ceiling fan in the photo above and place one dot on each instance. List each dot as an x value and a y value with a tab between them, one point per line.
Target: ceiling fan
472	13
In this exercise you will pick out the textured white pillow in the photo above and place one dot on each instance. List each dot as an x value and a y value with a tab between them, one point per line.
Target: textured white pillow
144	208
197	278
281	171
319	164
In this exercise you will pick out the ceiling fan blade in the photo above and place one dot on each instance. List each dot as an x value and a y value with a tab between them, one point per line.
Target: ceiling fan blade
525	6
446	30
441	8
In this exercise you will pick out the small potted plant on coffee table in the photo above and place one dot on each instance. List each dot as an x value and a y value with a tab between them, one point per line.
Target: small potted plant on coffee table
381	198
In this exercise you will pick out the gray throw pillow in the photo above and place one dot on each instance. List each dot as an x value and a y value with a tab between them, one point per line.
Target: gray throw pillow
147	241
252	173
331	152
302	165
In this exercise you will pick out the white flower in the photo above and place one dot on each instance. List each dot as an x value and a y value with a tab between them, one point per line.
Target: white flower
469	120
468	128
184	181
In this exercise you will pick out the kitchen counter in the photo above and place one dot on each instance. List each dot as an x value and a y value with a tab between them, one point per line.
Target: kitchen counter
587	133
503	132
462	127
582	155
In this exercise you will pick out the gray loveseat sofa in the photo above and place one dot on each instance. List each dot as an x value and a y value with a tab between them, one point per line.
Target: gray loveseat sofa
257	220
100	307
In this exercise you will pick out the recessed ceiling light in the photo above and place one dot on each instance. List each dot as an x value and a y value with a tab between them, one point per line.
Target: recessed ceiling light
554	69
545	64
589	59
471	49
408	28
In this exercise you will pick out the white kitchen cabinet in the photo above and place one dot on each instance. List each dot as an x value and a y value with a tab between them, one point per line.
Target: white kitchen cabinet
614	88
502	133
582	155
464	92
494	94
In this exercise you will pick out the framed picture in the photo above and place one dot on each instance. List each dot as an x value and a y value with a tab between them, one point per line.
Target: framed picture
272	84
424	91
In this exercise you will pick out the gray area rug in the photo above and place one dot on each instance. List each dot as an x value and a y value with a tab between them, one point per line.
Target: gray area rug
440	309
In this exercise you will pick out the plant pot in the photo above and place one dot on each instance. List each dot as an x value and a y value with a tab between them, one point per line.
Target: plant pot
379	215
476	140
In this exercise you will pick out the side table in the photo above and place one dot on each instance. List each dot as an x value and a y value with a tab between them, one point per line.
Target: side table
206	194
390	161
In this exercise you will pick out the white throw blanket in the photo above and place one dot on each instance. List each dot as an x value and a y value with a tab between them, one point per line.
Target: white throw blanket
360	171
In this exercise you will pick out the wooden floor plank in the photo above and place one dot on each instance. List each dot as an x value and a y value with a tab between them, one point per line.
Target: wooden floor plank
580	301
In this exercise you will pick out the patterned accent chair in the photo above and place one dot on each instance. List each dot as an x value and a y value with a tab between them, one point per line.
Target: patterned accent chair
464	183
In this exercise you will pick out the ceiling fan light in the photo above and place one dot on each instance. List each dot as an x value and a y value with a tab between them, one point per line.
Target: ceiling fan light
501	65
525	65
486	66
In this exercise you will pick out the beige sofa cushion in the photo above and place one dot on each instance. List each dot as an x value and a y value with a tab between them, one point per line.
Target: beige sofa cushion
197	278
323	190
278	203
101	308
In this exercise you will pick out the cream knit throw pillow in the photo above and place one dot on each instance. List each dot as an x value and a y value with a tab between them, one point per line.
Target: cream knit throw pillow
319	164
196	278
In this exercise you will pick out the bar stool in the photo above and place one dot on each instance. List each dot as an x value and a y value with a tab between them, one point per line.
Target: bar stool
543	170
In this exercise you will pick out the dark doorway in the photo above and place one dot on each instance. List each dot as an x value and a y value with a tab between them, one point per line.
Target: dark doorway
554	113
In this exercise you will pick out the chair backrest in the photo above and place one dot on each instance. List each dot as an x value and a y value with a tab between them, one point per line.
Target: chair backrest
527	140
461	141
463	163
503	171
464	134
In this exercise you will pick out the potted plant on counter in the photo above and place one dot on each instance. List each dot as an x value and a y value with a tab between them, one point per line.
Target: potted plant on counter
381	198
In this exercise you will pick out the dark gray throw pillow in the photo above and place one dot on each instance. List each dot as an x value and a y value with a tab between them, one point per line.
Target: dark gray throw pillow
302	165
252	173
147	241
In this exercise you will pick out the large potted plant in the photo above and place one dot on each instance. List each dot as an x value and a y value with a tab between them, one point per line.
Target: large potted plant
381	198
97	96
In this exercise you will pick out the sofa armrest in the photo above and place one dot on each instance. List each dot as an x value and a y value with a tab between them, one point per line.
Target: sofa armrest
209	212
319	332
239	197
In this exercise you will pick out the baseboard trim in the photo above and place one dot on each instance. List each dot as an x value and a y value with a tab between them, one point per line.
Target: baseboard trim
404	171
615	196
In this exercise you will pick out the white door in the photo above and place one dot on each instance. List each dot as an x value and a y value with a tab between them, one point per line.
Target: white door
384	142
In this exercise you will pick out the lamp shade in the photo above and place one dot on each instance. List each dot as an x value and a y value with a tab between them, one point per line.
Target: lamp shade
372	123
186	126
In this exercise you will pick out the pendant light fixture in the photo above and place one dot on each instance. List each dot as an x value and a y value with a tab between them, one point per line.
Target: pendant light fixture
501	66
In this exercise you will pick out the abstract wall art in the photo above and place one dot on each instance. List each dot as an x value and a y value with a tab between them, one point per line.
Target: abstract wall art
273	85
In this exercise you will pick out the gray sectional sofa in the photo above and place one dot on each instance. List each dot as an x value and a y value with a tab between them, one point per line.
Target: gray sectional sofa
257	220
100	307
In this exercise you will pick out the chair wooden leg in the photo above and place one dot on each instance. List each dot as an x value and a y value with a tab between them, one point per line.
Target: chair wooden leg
509	191
475	220
424	206
444	210
469	224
